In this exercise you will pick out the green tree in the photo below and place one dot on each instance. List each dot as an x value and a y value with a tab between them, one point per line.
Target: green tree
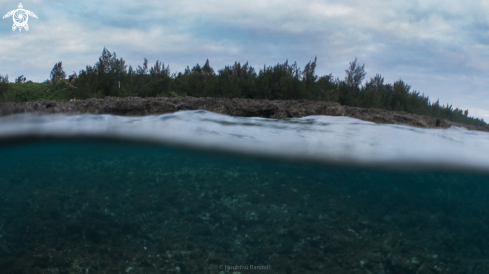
237	81
57	71
20	79
4	87
355	74
280	82
310	78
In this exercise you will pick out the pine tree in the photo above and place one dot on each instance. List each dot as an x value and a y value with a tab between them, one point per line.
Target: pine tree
58	72
206	69
355	74
4	86
309	78
104	61
21	79
143	70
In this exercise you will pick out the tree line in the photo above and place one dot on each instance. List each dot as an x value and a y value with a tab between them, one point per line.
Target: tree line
110	76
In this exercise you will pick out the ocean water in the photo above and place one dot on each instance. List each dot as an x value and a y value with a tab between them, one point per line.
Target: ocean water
199	192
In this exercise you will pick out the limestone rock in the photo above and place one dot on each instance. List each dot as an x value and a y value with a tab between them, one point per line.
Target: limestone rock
277	109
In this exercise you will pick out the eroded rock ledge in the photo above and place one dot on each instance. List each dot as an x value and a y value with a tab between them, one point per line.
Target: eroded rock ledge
135	106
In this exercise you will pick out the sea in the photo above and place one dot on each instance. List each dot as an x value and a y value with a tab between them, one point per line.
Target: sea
200	192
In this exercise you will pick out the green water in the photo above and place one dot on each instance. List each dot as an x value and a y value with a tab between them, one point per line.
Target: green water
75	206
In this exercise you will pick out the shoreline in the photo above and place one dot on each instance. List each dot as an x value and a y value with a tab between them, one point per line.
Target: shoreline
275	109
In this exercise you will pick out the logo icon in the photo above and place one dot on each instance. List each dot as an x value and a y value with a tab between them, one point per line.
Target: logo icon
20	17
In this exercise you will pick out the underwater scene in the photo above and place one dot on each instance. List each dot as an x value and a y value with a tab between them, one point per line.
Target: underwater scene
199	192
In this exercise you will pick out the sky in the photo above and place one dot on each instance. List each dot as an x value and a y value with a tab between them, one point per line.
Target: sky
440	48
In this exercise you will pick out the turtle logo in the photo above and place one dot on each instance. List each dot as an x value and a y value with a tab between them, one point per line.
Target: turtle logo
20	17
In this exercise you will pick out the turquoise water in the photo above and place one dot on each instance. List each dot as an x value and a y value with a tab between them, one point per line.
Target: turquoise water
115	202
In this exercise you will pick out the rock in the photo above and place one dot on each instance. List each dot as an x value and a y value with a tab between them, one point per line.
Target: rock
277	109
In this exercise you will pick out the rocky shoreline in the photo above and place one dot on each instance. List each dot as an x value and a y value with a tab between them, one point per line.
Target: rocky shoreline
276	109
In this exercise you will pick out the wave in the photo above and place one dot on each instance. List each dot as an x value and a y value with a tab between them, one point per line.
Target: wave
328	139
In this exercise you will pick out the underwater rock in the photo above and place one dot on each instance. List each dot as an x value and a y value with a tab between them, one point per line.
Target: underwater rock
277	109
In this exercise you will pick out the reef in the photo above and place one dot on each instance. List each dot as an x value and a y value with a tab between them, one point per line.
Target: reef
276	109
